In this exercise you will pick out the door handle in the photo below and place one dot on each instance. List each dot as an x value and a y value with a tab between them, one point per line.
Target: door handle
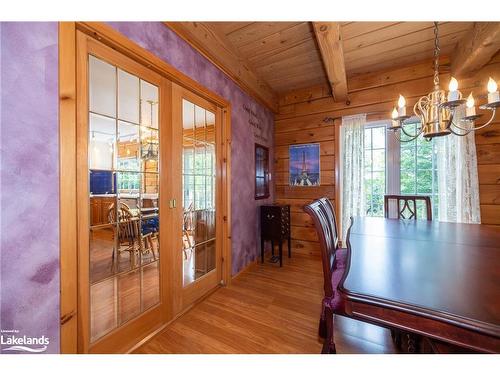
172	203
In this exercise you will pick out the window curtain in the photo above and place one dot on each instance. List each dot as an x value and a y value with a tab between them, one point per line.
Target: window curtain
353	153
458	183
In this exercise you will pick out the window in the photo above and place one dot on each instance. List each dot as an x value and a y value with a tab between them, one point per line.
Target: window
393	167
261	172
418	169
375	170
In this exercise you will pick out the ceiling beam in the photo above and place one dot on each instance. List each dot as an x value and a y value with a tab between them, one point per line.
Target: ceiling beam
216	48
477	48
330	43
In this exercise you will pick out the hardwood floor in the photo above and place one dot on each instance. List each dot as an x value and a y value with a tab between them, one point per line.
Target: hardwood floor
267	309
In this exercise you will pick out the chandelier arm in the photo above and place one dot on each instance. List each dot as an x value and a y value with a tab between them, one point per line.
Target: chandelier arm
399	139
477	127
411	135
459	134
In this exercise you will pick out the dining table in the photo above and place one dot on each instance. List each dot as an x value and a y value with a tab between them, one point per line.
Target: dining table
435	279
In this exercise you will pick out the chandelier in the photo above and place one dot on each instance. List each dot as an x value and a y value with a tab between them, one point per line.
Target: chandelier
437	110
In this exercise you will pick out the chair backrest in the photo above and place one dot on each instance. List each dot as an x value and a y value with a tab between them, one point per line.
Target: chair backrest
407	205
323	216
330	213
128	225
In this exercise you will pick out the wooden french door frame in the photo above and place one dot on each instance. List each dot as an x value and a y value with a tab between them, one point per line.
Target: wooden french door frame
187	295
71	308
121	337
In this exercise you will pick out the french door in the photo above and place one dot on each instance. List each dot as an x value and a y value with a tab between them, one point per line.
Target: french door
123	178
151	198
197	164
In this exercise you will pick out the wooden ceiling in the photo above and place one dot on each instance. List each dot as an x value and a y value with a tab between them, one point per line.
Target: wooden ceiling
285	56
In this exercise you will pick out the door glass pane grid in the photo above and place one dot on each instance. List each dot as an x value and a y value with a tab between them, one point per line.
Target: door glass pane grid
198	176
418	171
374	170
124	176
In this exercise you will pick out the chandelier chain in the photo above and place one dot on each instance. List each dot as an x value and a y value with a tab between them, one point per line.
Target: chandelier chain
436	54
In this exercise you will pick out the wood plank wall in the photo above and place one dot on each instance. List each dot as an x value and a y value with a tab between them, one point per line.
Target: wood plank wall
301	120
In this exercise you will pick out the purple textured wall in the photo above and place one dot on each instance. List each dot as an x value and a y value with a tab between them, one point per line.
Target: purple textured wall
164	43
29	174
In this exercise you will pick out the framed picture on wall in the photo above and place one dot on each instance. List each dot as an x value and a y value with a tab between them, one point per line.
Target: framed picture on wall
304	165
261	172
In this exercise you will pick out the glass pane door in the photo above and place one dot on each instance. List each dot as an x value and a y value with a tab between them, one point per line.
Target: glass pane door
123	167
199	191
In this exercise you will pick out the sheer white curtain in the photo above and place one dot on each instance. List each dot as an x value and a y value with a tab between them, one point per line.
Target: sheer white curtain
353	155
458	183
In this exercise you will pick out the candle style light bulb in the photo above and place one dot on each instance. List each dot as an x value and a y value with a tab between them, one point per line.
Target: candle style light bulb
470	101
453	94
394	113
470	110
492	86
401	101
453	86
402	106
493	94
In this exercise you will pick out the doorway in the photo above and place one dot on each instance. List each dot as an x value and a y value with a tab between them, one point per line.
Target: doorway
144	221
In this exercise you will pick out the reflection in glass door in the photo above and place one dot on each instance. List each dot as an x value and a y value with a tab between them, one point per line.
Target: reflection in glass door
123	157
199	189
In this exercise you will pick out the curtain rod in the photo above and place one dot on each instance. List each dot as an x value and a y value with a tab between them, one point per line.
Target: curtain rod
328	119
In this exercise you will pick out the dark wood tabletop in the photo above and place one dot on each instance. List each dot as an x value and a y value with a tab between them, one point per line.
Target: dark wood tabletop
442	271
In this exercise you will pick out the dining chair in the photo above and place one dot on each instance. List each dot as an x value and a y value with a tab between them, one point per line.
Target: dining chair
335	261
131	236
407	205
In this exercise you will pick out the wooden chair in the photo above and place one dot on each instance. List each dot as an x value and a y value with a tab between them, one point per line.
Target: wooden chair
187	231
130	236
335	261
407	205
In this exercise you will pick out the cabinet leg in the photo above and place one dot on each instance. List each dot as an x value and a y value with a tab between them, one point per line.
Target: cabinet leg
262	249
281	252
272	247
289	247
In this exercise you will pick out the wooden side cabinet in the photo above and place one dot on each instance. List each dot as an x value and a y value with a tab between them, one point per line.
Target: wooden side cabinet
275	226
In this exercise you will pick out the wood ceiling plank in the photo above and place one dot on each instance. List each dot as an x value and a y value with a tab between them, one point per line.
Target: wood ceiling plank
226	28
389	32
216	48
402	61
289	65
293	61
477	48
329	38
354	29
278	42
257	31
307	70
405	41
396	57
306	46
